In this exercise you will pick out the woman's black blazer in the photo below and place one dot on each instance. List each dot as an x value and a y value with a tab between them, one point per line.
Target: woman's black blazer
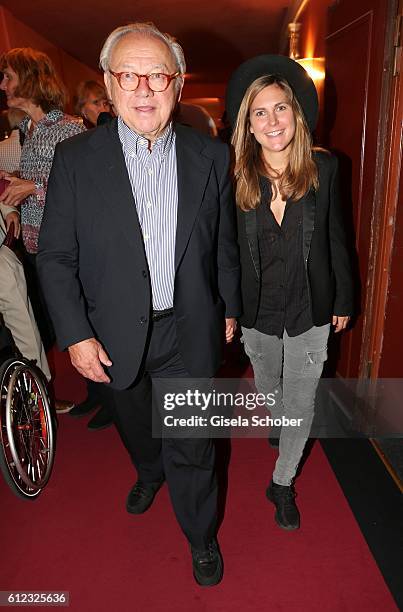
325	252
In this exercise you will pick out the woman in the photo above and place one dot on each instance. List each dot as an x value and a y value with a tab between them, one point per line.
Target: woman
32	85
91	101
296	276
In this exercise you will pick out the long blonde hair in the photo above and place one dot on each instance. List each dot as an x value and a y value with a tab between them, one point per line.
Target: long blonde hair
301	173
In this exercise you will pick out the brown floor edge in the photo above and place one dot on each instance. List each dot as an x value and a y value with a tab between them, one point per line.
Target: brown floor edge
387	464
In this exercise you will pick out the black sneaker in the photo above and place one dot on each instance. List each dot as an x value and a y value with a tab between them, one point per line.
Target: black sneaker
207	565
287	515
140	498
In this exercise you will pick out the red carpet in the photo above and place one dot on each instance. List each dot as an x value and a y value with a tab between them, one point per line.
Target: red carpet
77	537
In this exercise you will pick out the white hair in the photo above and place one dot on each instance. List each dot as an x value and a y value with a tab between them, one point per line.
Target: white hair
145	29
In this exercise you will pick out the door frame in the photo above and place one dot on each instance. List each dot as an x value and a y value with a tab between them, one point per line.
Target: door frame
388	171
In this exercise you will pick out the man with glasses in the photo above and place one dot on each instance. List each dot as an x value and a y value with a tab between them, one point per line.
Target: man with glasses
139	263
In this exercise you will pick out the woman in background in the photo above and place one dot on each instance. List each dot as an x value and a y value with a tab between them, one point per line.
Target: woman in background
31	84
91	101
296	276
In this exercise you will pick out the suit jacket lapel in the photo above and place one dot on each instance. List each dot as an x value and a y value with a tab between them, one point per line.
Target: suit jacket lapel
251	235
308	221
251	226
193	172
108	169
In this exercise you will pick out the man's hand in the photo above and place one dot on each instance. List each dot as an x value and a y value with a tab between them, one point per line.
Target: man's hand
230	327
17	190
87	357
13	217
339	323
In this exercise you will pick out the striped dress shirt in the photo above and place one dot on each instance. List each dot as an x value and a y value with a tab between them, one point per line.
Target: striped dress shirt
153	178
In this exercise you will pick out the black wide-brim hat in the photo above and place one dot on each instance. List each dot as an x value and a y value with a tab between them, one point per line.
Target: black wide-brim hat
262	65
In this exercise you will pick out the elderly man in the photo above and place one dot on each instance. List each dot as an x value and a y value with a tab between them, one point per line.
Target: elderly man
139	263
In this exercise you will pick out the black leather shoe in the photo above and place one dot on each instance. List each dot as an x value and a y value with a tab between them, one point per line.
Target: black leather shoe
101	420
287	515
87	406
207	565
140	498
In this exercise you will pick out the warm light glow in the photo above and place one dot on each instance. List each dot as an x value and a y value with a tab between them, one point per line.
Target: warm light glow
315	67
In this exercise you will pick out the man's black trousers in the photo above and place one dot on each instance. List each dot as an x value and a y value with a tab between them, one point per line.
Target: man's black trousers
187	464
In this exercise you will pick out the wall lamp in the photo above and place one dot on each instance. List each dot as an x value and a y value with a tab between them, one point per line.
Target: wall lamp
315	66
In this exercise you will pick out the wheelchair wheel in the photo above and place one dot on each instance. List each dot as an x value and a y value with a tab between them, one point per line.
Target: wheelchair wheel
26	428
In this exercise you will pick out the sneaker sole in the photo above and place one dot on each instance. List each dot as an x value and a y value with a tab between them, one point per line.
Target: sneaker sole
285	527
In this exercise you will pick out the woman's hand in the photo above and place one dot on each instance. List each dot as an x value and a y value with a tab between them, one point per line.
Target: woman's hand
339	323
13	217
17	190
230	327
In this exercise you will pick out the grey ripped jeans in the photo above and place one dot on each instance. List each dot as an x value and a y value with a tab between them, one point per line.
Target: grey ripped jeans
300	359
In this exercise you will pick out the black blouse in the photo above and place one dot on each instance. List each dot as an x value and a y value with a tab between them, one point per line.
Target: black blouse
284	297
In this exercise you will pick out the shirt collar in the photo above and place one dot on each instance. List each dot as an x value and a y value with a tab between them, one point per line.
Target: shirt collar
132	142
53	116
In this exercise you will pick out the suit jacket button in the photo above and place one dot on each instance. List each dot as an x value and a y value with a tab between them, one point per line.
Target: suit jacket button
144	273
143	319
